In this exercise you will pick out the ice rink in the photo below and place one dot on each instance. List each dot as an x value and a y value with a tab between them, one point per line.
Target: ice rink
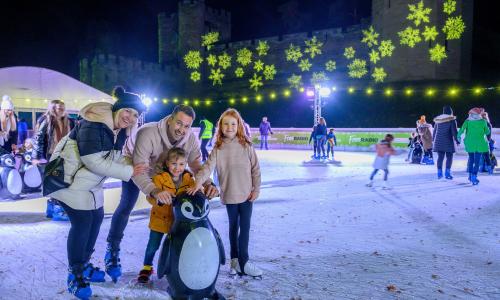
317	232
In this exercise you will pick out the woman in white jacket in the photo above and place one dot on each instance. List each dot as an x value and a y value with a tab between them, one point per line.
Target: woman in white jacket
92	153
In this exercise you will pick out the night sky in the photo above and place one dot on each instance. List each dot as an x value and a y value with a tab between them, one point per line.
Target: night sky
56	34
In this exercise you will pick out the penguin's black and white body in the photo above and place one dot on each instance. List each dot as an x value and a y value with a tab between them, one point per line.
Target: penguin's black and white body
192	252
11	182
31	175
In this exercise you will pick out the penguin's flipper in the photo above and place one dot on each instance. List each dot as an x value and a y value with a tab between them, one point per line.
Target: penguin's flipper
164	259
222	254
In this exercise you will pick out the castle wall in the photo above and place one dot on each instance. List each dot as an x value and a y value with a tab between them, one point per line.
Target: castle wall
389	17
105	71
168	37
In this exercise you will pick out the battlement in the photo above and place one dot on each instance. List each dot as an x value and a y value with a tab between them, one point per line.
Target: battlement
221	13
192	2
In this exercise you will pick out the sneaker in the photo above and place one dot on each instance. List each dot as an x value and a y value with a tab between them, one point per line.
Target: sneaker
370	183
235	267
252	270
145	274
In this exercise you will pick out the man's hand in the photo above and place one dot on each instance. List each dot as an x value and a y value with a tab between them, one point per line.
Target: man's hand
140	169
211	191
252	196
35	162
162	197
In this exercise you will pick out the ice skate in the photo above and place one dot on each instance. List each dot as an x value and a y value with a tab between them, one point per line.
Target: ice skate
234	267
386	186
369	183
77	285
93	274
112	261
250	269
145	275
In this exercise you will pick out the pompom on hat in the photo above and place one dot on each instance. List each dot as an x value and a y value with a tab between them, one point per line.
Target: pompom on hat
6	102
476	111
127	100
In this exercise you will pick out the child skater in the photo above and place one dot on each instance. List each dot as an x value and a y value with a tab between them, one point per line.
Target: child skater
332	141
176	179
237	167
384	151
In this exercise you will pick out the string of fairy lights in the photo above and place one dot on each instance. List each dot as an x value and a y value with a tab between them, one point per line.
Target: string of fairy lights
430	92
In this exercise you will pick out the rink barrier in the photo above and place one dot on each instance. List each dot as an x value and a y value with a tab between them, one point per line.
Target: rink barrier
348	139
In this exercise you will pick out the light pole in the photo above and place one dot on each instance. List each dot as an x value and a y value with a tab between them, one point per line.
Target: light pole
319	93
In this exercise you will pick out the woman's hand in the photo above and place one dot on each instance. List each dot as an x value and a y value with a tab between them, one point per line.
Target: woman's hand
252	197
192	190
211	191
140	169
163	197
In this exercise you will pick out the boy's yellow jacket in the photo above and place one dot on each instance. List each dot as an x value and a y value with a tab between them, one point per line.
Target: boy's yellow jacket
162	217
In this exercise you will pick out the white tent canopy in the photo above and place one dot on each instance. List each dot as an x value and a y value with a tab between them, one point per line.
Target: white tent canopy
33	87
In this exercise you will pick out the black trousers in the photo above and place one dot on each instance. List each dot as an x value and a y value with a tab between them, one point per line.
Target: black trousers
449	159
203	147
85	225
239	230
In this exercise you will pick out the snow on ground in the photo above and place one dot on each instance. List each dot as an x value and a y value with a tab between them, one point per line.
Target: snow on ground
317	232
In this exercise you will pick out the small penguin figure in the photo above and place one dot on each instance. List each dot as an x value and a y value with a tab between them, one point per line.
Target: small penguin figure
193	251
31	175
11	182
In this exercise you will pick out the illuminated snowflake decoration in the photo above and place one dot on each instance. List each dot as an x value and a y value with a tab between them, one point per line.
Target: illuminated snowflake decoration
370	37
410	36
262	48
379	74
269	72
449	6
212	60
295	81
193	59
454	27
386	48
244	56
357	69
318	77
374	56
330	65
195	76
258	65
437	53
216	76
305	65
313	47
209	39
293	53
349	52
239	72
430	33
224	61
418	13
255	82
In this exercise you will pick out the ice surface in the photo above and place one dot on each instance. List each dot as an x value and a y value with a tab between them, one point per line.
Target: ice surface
317	232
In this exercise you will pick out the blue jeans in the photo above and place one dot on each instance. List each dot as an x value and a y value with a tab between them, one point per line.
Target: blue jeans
321	145
154	242
239	230
129	196
85	225
329	148
473	163
386	172
263	141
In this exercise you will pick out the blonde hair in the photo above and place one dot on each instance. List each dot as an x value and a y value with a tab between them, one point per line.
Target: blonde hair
4	120
240	132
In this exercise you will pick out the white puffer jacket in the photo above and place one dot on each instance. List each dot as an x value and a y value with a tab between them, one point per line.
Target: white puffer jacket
92	153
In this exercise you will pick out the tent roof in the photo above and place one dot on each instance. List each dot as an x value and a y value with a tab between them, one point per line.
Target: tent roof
33	87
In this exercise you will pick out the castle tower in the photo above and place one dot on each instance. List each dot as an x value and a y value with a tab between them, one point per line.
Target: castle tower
389	17
168	36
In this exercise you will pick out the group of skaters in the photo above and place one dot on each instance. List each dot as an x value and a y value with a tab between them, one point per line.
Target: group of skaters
320	136
443	139
160	159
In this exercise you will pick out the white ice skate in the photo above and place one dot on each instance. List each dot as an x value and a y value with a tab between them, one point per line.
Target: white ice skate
370	183
234	267
386	186
250	270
